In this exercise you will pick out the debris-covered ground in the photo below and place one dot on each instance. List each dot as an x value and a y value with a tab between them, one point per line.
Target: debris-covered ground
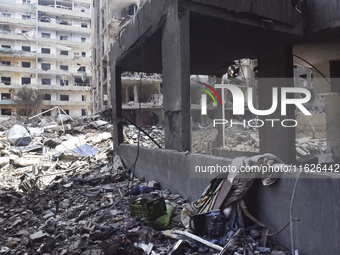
237	139
65	193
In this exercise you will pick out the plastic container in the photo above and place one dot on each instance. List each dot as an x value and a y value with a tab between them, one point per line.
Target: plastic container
146	208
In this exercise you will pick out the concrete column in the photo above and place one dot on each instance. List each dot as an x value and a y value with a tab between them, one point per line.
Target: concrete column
176	79
126	94
278	140
116	99
135	94
108	82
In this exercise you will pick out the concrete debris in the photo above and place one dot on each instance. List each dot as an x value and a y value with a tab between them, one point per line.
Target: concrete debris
87	213
308	145
63	118
203	140
18	136
73	152
156	132
67	194
238	138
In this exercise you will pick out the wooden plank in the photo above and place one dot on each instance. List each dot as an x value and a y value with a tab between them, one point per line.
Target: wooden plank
222	195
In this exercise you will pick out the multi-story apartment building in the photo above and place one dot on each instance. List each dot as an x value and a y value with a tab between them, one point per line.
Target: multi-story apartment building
108	20
46	44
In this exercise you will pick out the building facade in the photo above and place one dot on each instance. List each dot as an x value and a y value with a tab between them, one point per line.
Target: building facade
46	44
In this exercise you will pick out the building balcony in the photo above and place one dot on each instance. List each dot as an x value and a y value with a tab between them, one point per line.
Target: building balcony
13	36
7	102
65	28
16	69
62	12
65	88
73	44
47	88
19	54
11	86
14	7
65	103
21	22
69	58
63	72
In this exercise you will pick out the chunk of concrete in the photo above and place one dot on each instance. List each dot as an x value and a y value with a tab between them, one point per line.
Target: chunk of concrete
18	135
4	161
38	236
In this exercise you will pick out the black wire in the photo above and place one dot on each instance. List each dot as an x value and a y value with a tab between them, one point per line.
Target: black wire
133	166
313	68
138	127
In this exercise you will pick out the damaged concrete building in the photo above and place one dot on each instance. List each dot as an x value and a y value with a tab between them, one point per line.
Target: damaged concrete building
45	44
109	20
179	38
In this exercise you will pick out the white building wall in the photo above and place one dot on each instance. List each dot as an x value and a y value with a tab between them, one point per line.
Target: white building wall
79	53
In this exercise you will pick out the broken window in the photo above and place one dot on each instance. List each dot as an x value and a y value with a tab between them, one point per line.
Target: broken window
83	98
24	31
46	50
26	64
6	80
63	67
46	81
63	22
64	52
45	35
80	82
64	97
5	96
45	19
45	66
67	111
5	63
83	54
82	69
6	15
83	39
25	17
27	2
25	80
26	48
6	112
132	9
63	38
64	82
46	113
47	97
83	24
6	46
83	112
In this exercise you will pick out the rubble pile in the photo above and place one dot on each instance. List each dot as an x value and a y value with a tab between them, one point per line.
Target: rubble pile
242	139
48	154
85	214
65	193
237	139
147	77
134	105
130	134
203	138
308	145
